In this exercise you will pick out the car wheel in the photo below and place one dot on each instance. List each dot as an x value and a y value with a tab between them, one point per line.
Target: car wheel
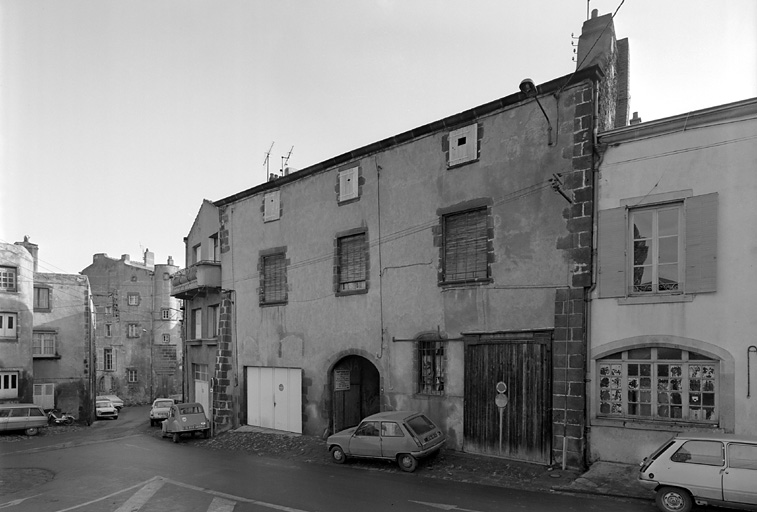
407	462
175	437
31	431
673	499
206	433
337	455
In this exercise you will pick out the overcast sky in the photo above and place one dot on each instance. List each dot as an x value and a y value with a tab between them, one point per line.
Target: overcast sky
119	117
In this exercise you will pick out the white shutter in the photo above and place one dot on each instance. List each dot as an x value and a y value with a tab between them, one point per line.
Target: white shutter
348	184
271	206
463	145
100	360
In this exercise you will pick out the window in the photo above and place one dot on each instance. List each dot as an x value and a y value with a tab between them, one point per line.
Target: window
108	330
271	206
200	372
196	254
214	321
463	145
216	247
166	338
465	246
133	298
131	375
391	429
109	363
41	298
368	428
352	263
8	325
273	279
43	344
659	383
196	324
8	384
348	184
431	367
707	453
109	310
8	279
658	248
742	456
165	314
133	331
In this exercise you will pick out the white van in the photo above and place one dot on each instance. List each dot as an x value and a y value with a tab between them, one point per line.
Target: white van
703	468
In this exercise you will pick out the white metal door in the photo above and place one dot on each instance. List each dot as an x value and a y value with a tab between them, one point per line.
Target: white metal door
274	398
202	395
44	395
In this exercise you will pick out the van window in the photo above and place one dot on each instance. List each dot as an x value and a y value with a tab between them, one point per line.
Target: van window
20	412
742	456
33	411
708	453
4	413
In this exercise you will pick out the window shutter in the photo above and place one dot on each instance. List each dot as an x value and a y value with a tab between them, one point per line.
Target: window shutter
701	243
100	360
611	252
463	145
271	206
114	352
348	184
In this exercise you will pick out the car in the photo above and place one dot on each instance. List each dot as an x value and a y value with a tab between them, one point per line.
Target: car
186	418
27	417
401	436
159	410
702	468
117	402
105	409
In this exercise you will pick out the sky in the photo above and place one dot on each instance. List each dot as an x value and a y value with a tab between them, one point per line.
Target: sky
117	118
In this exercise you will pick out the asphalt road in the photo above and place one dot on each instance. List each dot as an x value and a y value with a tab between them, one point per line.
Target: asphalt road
122	465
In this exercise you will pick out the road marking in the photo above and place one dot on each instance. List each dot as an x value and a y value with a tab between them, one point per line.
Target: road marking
70	444
135	486
443	506
17	502
221	505
141	497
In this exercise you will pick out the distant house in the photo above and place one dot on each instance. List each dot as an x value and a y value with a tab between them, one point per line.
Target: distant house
139	350
672	318
444	269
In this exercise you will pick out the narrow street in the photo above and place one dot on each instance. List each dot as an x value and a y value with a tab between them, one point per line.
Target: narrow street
124	464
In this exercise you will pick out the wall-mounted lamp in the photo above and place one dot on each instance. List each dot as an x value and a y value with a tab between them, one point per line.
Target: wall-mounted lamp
528	88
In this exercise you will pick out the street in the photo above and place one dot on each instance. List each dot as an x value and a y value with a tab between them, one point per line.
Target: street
122	465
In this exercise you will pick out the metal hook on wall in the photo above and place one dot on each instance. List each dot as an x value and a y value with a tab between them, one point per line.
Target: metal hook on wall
749	351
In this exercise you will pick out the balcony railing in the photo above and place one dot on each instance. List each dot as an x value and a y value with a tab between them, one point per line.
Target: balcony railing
199	279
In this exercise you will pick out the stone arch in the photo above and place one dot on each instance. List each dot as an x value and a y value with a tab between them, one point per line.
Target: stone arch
354	387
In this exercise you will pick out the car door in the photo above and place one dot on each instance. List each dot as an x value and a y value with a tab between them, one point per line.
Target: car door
366	442
698	466
5	416
740	475
18	419
394	440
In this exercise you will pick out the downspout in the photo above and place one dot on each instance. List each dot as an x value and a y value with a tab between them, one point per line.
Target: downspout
380	353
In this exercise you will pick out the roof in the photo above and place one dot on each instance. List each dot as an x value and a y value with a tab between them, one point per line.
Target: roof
391	415
716	436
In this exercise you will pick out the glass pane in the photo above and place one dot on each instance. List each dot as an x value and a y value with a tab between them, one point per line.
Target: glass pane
642	224
693	356
640	353
667	222
642	279
646	410
641	252
668	250
617	356
669	353
668	277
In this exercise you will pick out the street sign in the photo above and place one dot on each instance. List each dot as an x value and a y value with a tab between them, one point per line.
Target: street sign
501	387
501	401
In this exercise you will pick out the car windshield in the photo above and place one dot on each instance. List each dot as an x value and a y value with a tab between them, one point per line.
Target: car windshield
420	424
163	403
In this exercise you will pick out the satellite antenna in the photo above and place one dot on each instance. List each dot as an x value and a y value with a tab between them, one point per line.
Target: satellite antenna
285	160
267	159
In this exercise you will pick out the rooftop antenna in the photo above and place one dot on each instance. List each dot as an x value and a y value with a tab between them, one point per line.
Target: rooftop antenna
267	159
285	160
587	8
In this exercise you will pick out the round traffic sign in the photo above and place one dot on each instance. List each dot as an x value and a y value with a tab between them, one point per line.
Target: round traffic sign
500	400
501	387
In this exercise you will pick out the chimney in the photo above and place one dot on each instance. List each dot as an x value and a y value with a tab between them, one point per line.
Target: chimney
125	258
623	105
597	42
635	119
32	248
149	258
170	260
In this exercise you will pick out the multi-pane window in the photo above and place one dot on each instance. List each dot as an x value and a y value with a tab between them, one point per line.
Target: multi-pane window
43	344
165	314
466	246
657	250
200	372
8	384
352	263
8	279
108	360
273	279
133	299
214	320
41	298
196	332
8	325
166	338
133	331
659	383
431	367
131	375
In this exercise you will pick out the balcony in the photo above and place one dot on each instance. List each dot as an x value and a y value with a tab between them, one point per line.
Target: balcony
196	281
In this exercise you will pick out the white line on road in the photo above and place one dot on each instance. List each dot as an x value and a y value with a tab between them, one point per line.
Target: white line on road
18	501
142	484
221	505
443	506
141	497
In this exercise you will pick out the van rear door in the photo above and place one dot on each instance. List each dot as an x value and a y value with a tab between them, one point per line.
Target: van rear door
740	475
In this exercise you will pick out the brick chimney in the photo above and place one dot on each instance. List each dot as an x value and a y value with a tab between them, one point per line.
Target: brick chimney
149	258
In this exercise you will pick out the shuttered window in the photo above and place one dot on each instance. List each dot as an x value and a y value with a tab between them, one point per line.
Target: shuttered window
463	145
466	246
273	277
271	206
348	184
352	263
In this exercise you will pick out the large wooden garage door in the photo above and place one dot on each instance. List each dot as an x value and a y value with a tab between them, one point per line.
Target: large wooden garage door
523	362
274	398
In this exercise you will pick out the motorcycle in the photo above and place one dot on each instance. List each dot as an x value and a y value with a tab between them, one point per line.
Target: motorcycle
55	417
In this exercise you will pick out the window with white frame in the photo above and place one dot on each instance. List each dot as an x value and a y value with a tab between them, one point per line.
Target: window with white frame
109	360
200	372
352	263
271	205
8	279
196	332
133	331
41	298
658	383
273	279
8	384
657	248
463	145
131	375
348	184
133	298
465	246
8	325
43	344
165	314
166	338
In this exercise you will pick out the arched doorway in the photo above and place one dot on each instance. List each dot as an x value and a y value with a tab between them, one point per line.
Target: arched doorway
355	391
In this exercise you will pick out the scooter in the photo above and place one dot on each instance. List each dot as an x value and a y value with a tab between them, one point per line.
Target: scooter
55	417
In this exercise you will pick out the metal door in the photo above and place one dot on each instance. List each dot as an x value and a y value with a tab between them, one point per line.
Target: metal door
202	395
274	398
44	396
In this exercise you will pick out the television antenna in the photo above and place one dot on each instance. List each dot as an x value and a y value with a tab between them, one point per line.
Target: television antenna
285	160
268	159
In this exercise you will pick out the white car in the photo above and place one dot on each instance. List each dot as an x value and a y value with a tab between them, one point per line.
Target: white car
159	410
117	402
105	409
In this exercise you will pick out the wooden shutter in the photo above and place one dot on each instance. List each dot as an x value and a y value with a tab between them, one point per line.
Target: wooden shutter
352	262
348	184
701	243
466	246
463	145
271	206
611	252
100	360
274	278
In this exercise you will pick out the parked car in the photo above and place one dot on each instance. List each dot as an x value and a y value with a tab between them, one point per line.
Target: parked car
402	436
27	417
186	418
159	410
703	468
105	409
117	402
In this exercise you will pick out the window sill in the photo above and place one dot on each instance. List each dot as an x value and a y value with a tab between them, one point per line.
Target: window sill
663	426
9	340
352	292
202	341
461	164
654	299
36	357
341	202
425	396
273	304
462	284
